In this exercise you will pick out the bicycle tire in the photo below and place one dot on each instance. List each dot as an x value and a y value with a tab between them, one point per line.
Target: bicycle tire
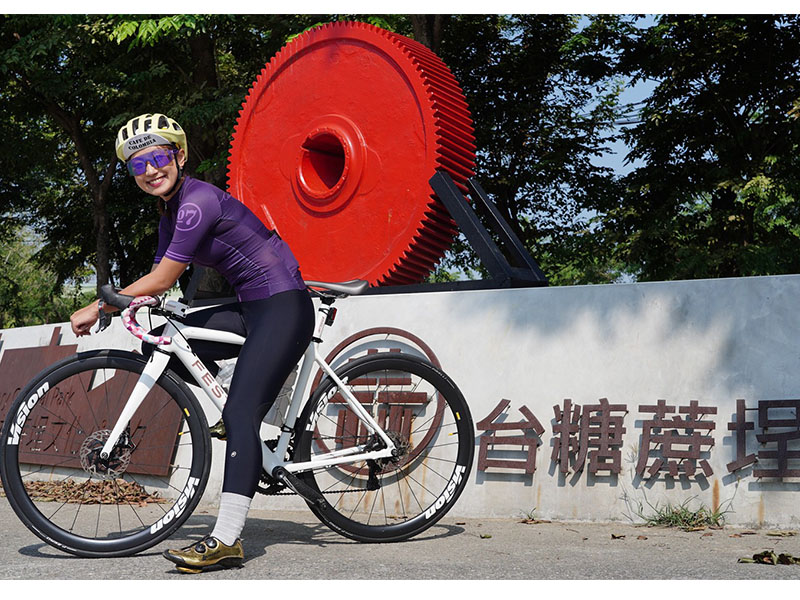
424	412
50	451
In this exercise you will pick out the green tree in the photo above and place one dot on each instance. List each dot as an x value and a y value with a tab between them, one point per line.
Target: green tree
68	82
544	97
29	293
716	195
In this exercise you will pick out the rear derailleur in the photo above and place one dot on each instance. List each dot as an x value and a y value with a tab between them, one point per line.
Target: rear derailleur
381	465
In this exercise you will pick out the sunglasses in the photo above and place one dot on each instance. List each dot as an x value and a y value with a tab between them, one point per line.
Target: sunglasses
158	158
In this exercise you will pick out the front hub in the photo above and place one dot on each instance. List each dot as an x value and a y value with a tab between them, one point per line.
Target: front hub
113	466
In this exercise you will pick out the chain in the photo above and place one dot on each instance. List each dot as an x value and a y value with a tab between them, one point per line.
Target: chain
285	492
276	489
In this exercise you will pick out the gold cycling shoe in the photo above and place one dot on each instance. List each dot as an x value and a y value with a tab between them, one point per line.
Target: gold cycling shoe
208	552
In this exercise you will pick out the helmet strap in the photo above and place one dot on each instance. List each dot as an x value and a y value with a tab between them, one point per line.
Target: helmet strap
177	181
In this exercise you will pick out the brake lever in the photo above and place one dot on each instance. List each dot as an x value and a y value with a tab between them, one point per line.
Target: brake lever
103	320
113	298
110	296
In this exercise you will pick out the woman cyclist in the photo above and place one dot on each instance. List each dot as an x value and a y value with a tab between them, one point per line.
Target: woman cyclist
202	224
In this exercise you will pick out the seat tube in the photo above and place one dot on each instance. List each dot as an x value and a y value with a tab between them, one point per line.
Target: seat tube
269	459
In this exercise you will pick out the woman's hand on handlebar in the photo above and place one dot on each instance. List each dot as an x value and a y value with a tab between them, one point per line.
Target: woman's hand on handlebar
161	278
83	319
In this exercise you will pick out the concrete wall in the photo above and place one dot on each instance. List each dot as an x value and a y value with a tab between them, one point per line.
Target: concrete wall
710	341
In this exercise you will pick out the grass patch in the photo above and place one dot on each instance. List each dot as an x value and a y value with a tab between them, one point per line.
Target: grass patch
531	518
683	517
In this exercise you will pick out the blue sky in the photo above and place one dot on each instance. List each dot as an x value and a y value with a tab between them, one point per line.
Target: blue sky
616	158
631	94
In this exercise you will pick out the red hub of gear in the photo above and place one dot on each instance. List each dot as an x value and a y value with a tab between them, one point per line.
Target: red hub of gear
334	147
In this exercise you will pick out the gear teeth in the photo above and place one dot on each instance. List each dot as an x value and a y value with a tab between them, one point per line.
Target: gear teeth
455	155
453	148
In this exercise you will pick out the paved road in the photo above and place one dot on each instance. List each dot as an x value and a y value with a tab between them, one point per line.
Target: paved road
283	546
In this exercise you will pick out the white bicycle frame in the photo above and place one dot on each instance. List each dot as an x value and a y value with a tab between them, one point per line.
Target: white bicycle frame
179	346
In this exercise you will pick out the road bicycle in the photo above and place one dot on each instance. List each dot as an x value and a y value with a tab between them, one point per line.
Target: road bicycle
107	453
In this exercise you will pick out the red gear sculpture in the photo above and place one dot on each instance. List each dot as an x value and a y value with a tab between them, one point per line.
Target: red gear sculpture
334	147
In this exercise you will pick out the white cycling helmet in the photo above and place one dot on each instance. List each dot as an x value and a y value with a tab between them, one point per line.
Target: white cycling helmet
149	130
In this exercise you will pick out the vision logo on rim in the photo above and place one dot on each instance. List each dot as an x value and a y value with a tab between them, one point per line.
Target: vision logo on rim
178	507
23	412
447	495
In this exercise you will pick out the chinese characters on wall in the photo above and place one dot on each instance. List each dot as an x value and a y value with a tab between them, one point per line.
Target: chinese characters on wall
674	440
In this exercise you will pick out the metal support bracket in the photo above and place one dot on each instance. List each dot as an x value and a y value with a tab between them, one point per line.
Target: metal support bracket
526	270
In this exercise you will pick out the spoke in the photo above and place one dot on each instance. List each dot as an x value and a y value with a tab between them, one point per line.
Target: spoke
428	467
64	491
43	468
105	395
165	421
97	524
44	408
402	501
441	427
362	497
78	509
85	390
416	410
372	508
133	508
119	514
419	483
449	461
410	489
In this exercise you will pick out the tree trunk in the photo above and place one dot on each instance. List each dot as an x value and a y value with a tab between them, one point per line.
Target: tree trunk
203	77
428	29
98	188
71	123
103	261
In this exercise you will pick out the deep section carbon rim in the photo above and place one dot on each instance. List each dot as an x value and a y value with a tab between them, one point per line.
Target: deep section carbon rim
426	417
72	498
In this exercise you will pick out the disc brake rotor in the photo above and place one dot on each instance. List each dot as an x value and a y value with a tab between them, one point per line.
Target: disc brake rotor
334	147
91	462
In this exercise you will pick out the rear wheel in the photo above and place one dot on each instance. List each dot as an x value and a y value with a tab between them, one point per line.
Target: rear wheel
424	414
61	488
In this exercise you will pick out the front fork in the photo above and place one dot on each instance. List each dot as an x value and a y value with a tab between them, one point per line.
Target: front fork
152	371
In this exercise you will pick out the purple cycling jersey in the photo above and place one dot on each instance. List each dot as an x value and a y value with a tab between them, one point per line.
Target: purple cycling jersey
209	227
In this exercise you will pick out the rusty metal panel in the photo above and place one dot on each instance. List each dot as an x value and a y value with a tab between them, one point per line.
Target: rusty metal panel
493	442
20	365
592	431
68	413
566	431
740	426
73	410
601	436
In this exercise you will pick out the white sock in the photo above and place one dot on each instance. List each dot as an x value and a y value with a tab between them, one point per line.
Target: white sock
232	515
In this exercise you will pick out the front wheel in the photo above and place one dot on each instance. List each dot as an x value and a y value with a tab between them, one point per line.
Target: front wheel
423	413
74	499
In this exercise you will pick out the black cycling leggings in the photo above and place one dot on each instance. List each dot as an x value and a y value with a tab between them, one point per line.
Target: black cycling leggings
278	331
